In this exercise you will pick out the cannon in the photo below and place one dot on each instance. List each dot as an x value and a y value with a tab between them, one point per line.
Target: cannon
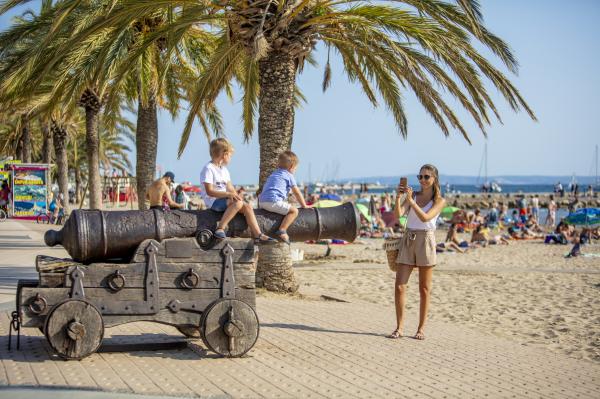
161	267
93	235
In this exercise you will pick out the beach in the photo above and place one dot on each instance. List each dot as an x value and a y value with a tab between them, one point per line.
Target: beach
527	291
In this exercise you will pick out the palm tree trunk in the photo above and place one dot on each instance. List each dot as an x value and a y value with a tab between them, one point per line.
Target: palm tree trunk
276	109
26	137
62	163
47	145
146	142
92	142
275	129
19	148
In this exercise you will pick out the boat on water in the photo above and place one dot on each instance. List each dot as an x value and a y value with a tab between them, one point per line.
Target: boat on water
486	186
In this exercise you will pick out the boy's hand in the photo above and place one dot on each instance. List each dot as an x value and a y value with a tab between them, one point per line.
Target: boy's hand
235	197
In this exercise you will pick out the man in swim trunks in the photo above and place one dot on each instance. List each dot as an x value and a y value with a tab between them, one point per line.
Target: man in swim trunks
159	193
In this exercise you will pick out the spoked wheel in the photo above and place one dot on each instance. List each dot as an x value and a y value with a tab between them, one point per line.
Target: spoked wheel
3	215
229	327
74	329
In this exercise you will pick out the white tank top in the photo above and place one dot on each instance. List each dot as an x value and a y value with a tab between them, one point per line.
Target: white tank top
414	223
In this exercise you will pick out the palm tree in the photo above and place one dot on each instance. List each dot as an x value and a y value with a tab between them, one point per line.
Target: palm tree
150	77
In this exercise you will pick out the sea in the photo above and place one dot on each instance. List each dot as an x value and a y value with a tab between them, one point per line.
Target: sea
472	189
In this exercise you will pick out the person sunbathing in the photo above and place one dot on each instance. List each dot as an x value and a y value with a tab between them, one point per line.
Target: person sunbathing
450	246
452	237
480	236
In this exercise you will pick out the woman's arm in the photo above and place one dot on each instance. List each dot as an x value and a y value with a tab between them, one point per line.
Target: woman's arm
435	210
400	209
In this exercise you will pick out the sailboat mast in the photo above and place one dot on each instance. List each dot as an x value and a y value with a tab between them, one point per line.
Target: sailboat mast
597	182
486	163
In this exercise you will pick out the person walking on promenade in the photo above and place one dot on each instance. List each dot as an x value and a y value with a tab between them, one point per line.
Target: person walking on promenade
551	217
159	193
535	207
419	247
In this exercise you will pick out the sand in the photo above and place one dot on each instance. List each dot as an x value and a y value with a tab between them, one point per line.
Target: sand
526	291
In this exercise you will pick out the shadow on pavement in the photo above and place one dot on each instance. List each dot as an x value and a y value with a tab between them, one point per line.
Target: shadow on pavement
313	328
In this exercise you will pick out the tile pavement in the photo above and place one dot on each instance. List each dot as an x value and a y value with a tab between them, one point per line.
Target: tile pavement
306	349
311	349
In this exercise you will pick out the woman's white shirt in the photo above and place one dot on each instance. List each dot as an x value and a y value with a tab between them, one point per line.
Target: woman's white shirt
414	223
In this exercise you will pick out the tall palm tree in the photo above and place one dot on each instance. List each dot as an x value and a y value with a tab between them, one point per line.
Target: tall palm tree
420	45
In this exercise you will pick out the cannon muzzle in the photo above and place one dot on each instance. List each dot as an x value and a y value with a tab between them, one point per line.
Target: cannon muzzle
93	235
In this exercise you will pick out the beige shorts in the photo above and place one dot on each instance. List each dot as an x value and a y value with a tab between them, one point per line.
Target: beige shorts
280	207
418	248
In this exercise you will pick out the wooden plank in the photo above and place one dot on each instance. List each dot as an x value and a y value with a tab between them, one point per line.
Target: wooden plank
244	251
170	274
97	296
52	280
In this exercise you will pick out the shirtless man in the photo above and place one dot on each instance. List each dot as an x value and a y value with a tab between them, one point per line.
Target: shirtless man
160	189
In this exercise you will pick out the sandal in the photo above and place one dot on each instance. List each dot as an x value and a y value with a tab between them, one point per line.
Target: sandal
264	239
395	334
220	234
283	236
420	335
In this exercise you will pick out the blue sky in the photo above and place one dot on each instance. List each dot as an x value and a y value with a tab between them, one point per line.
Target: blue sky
338	134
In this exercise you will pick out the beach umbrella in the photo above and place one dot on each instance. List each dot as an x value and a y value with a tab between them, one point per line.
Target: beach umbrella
364	211
333	197
448	211
326	204
402	220
588	217
192	189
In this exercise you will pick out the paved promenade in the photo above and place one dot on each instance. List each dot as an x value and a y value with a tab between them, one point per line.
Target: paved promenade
306	348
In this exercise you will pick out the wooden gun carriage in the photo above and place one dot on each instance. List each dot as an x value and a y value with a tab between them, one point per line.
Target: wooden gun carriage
206	291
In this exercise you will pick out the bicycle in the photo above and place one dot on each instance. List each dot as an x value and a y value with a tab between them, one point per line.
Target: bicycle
44	217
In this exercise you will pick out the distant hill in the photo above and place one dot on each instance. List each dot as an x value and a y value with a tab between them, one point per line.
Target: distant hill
452	179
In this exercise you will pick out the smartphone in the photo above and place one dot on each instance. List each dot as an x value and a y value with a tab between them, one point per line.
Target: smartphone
403	183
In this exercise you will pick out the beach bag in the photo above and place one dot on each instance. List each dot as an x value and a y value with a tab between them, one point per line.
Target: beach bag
393	246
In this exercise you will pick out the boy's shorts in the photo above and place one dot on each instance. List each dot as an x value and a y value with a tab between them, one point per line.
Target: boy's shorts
280	207
220	205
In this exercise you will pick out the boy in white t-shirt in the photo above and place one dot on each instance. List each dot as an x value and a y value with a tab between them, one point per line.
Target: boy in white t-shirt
219	193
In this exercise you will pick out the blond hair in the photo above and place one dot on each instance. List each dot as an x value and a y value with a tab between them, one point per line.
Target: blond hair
219	147
287	160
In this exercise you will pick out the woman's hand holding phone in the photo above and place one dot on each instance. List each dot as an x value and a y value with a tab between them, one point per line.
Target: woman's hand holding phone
402	186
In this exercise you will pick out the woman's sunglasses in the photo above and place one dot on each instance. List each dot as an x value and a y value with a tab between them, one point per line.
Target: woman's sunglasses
423	177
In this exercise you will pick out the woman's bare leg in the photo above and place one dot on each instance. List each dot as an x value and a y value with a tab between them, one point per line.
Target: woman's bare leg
425	275
402	276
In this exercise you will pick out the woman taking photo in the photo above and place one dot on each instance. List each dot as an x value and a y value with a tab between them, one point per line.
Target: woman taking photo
418	246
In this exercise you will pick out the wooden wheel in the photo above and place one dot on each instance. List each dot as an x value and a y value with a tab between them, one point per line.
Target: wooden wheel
229	327
74	329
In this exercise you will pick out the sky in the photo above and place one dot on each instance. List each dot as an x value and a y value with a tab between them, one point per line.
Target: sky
340	135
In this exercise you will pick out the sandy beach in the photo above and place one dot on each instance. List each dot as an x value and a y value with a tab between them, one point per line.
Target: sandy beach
526	291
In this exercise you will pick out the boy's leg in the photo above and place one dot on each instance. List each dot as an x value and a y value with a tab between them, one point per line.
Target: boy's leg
248	212
289	218
233	207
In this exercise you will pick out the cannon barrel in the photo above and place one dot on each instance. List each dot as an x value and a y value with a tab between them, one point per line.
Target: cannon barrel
93	235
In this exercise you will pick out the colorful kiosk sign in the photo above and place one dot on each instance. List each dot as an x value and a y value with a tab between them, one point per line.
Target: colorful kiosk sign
29	190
